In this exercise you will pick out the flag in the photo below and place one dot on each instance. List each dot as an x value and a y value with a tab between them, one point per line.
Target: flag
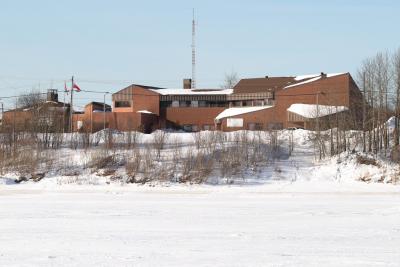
76	87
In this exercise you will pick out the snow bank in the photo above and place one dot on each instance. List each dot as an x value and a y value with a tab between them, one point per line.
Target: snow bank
357	167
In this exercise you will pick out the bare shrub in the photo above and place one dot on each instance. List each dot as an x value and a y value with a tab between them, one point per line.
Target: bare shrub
100	160
85	140
230	163
74	140
367	161
132	138
196	168
159	139
109	141
95	139
210	142
187	164
199	139
133	165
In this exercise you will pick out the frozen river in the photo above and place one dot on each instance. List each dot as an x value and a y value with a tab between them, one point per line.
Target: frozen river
198	226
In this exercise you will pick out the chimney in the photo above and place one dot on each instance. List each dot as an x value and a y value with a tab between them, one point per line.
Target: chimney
187	83
266	77
323	75
52	95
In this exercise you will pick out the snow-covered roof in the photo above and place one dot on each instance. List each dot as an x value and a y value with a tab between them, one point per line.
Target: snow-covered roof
307	76
311	78
310	111
181	91
230	112
144	111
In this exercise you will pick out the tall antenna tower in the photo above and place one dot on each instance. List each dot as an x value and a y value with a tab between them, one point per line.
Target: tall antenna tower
193	52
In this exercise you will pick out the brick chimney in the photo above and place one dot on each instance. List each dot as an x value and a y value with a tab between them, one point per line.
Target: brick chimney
187	83
52	95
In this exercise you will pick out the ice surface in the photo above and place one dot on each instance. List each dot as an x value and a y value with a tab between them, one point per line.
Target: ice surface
199	226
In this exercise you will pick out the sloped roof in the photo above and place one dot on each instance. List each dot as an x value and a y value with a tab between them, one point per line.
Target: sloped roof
273	84
256	85
230	112
181	91
128	89
312	79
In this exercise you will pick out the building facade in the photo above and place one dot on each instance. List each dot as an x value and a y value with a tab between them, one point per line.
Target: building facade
260	103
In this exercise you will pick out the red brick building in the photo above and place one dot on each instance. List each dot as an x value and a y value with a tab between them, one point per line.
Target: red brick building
260	103
45	114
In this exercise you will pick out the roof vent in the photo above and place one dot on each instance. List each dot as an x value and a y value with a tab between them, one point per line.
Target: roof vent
266	77
323	75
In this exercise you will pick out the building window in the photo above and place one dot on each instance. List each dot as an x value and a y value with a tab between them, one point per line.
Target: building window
255	126
203	103
275	126
184	104
175	104
187	128
194	104
122	104
234	122
207	127
258	103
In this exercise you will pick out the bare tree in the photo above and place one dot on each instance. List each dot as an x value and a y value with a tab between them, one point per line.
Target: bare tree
396	75
30	100
230	80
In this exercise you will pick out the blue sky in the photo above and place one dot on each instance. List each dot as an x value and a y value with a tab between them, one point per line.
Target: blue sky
109	44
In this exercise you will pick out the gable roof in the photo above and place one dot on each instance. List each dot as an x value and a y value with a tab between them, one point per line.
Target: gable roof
273	84
256	85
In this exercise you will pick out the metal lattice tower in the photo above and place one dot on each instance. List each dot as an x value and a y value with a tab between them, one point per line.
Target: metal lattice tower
193	52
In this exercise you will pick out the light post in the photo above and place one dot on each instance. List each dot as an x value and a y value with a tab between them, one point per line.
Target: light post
104	110
2	113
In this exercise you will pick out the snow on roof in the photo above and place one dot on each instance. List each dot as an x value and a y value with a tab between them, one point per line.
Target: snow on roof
144	111
310	111
311	78
308	76
230	112
181	91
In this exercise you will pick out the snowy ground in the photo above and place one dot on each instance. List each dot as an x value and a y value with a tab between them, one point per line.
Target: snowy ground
281	224
295	212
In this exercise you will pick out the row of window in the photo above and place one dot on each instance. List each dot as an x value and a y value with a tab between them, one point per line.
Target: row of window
195	103
202	103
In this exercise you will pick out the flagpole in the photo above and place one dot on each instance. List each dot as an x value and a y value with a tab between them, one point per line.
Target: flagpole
63	125
71	108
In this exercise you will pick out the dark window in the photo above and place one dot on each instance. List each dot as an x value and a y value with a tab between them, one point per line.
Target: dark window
255	126
122	104
275	126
